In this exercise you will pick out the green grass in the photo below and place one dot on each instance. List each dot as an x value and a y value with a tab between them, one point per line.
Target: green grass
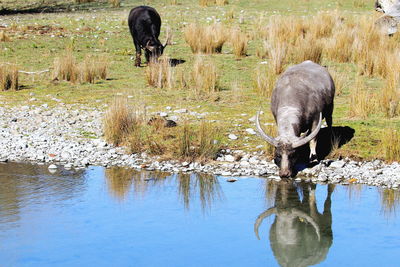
96	28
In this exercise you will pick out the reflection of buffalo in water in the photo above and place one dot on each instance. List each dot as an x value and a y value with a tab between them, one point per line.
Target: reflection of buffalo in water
299	235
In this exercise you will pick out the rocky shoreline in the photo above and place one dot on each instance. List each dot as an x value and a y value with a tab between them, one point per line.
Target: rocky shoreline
69	136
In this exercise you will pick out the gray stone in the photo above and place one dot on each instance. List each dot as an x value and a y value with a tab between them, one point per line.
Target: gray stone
232	137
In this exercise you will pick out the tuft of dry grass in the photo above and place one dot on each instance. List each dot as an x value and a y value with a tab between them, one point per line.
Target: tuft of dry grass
205	77
160	74
115	3
265	81
390	142
206	39
4	37
390	96
278	52
8	77
119	122
221	2
239	42
88	70
206	3
340	46
304	51
202	144
361	101
341	81
65	68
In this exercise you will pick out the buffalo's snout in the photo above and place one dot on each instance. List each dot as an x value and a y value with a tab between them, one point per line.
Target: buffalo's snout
285	173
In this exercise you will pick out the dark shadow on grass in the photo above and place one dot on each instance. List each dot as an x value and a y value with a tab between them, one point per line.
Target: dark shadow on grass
326	142
174	62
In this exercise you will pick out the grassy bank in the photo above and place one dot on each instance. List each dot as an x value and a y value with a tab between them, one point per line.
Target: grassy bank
239	86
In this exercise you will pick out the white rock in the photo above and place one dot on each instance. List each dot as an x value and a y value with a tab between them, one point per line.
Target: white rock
229	158
163	114
52	166
337	164
232	137
250	131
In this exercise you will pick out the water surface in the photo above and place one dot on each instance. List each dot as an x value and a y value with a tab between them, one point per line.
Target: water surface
120	217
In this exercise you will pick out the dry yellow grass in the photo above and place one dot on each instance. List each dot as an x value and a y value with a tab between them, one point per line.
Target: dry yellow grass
265	81
8	77
202	144
119	121
390	142
4	37
221	2
88	70
66	68
304	51
361	101
205	3
160	74
205	77
278	53
239	42
322	24
115	3
390	96
340	47
206	39
341	81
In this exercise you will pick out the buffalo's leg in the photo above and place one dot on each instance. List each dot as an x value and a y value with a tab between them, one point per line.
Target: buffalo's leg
147	55
138	54
313	143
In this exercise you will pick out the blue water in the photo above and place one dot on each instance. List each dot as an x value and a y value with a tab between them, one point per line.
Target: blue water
119	217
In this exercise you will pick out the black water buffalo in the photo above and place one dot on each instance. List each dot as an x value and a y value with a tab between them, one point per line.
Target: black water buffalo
302	97
300	235
144	24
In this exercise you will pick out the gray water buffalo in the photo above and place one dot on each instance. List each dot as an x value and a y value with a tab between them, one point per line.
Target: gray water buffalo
300	235
144	24
302	97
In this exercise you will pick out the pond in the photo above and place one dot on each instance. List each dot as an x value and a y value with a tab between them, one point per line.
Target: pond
122	217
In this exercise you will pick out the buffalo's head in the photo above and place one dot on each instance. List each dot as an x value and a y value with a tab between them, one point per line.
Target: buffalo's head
156	48
286	150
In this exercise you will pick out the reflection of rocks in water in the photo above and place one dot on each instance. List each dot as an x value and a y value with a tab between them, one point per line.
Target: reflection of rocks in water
299	235
121	180
24	184
206	187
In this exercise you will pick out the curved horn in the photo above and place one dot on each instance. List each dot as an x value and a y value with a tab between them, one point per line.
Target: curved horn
309	219
168	40
267	138
260	219
312	135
